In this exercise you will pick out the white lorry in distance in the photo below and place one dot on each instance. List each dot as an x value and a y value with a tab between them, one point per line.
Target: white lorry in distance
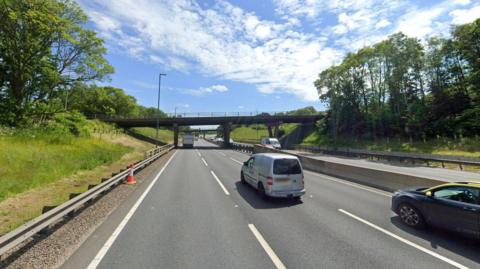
188	140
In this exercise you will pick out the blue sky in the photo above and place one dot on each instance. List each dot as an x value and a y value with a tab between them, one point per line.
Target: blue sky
250	55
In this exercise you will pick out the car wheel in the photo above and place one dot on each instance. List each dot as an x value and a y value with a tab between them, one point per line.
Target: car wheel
242	178
261	191
411	216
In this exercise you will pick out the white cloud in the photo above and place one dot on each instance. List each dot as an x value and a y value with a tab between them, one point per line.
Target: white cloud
420	23
382	24
205	90
461	16
240	107
145	85
104	23
225	42
462	2
218	88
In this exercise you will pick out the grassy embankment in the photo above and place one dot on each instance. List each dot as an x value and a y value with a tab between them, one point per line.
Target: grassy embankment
249	134
164	135
42	168
467	147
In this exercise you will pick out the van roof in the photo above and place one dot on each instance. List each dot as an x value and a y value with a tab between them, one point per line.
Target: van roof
276	155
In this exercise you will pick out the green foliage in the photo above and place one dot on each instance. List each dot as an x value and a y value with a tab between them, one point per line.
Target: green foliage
29	162
309	110
50	151
249	134
469	147
74	123
44	49
93	101
401	88
164	135
63	128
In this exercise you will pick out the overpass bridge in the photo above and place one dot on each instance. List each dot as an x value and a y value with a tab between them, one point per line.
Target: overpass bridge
272	121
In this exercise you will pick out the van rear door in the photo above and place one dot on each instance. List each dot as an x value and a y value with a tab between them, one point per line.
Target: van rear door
287	175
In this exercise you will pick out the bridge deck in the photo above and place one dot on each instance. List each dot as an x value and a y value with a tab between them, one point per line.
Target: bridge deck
152	122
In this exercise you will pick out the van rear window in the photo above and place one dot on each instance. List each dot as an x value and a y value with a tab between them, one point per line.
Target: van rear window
286	167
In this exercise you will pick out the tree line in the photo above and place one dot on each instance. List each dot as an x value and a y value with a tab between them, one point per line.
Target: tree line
405	87
48	60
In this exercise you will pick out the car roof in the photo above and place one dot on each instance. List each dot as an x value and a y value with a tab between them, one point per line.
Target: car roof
474	184
276	155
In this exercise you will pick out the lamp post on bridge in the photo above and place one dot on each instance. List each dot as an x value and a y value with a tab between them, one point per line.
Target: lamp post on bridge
158	103
175	113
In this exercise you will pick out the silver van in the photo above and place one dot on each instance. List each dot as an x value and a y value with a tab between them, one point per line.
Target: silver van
274	174
270	142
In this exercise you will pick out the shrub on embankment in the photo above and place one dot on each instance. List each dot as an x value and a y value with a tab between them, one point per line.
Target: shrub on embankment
35	155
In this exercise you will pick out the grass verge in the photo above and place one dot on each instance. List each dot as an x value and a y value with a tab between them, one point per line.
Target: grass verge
37	173
253	133
465	147
469	147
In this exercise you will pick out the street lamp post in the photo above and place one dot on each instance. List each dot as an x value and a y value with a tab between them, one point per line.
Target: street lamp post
158	103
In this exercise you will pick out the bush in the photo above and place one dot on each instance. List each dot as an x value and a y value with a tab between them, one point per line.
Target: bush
61	129
74	123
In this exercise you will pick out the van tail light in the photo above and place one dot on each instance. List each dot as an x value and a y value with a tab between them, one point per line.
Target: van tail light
303	180
269	181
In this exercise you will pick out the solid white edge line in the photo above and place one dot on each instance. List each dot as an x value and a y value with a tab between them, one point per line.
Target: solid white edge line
344	182
237	161
101	253
220	183
205	162
276	261
427	251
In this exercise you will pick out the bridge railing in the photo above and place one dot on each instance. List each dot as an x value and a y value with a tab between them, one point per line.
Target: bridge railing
197	115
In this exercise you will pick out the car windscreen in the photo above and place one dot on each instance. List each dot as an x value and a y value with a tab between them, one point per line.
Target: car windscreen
286	167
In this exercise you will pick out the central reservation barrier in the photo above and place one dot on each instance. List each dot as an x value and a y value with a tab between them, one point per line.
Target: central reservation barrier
382	179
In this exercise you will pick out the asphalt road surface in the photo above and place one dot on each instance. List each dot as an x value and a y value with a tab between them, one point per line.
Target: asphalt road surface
196	214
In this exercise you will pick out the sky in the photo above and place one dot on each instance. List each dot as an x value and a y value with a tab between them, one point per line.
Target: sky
250	55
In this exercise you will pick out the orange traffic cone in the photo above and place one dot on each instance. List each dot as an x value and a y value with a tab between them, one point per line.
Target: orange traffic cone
130	178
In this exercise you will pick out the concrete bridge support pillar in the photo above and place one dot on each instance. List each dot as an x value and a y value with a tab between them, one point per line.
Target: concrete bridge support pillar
175	135
270	132
277	129
226	134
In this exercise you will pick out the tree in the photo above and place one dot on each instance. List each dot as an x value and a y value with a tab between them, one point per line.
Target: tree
398	87
103	101
96	101
44	49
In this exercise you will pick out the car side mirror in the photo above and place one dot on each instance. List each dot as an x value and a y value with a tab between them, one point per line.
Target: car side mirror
245	163
429	194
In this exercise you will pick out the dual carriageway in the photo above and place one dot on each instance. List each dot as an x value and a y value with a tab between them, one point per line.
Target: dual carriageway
194	213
